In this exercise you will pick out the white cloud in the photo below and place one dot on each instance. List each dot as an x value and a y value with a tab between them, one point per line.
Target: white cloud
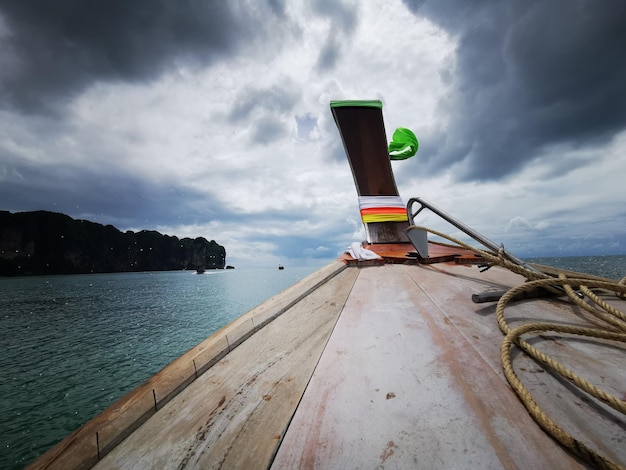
249	143
539	209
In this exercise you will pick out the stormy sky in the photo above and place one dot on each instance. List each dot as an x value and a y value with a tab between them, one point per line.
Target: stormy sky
211	118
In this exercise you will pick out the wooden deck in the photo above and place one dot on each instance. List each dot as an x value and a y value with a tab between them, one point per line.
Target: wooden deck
93	441
235	414
383	366
411	378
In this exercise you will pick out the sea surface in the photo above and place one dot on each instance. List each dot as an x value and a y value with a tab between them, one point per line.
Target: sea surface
612	267
72	345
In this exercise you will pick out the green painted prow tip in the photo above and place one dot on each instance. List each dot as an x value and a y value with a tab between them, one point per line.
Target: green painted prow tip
357	103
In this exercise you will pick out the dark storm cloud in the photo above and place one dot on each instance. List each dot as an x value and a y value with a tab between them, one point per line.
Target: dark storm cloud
343	15
529	75
276	99
329	54
258	108
53	49
268	129
343	20
120	199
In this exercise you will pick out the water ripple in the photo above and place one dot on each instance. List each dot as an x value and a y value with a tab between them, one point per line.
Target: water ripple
72	345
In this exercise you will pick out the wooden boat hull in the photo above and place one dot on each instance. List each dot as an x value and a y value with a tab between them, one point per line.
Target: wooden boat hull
388	365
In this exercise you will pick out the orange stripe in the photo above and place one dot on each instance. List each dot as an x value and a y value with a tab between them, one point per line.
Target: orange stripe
383	210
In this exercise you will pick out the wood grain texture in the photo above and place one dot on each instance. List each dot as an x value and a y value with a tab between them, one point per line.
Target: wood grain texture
387	366
92	441
411	379
235	414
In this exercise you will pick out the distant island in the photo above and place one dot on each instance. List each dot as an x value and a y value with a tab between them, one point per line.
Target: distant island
42	242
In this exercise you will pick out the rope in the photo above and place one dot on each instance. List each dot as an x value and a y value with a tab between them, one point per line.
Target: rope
614	329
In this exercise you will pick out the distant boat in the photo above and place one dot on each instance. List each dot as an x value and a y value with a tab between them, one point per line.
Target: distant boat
200	271
280	266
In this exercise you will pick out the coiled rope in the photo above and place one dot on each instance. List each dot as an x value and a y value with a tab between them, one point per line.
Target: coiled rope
614	330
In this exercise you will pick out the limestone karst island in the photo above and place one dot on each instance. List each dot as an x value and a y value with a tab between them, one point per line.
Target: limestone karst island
41	242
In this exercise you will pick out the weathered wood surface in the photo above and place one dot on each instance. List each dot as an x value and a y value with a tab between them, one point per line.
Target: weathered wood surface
84	447
385	366
234	415
411	378
599	361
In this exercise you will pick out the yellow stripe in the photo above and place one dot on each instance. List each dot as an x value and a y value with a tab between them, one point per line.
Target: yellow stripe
368	218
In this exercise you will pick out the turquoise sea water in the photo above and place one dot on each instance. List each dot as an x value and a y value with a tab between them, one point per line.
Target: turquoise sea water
72	345
613	267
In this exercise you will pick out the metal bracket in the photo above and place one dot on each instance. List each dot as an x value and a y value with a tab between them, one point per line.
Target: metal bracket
470	232
464	228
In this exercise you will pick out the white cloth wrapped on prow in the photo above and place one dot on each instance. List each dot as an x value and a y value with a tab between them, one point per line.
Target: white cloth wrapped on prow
359	253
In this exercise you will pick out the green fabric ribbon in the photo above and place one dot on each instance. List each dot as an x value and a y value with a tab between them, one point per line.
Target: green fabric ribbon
403	145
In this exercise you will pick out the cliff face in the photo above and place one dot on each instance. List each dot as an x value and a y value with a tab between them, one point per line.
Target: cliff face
50	243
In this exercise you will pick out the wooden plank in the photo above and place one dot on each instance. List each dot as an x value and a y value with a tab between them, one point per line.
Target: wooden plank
598	361
234	415
411	377
398	386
